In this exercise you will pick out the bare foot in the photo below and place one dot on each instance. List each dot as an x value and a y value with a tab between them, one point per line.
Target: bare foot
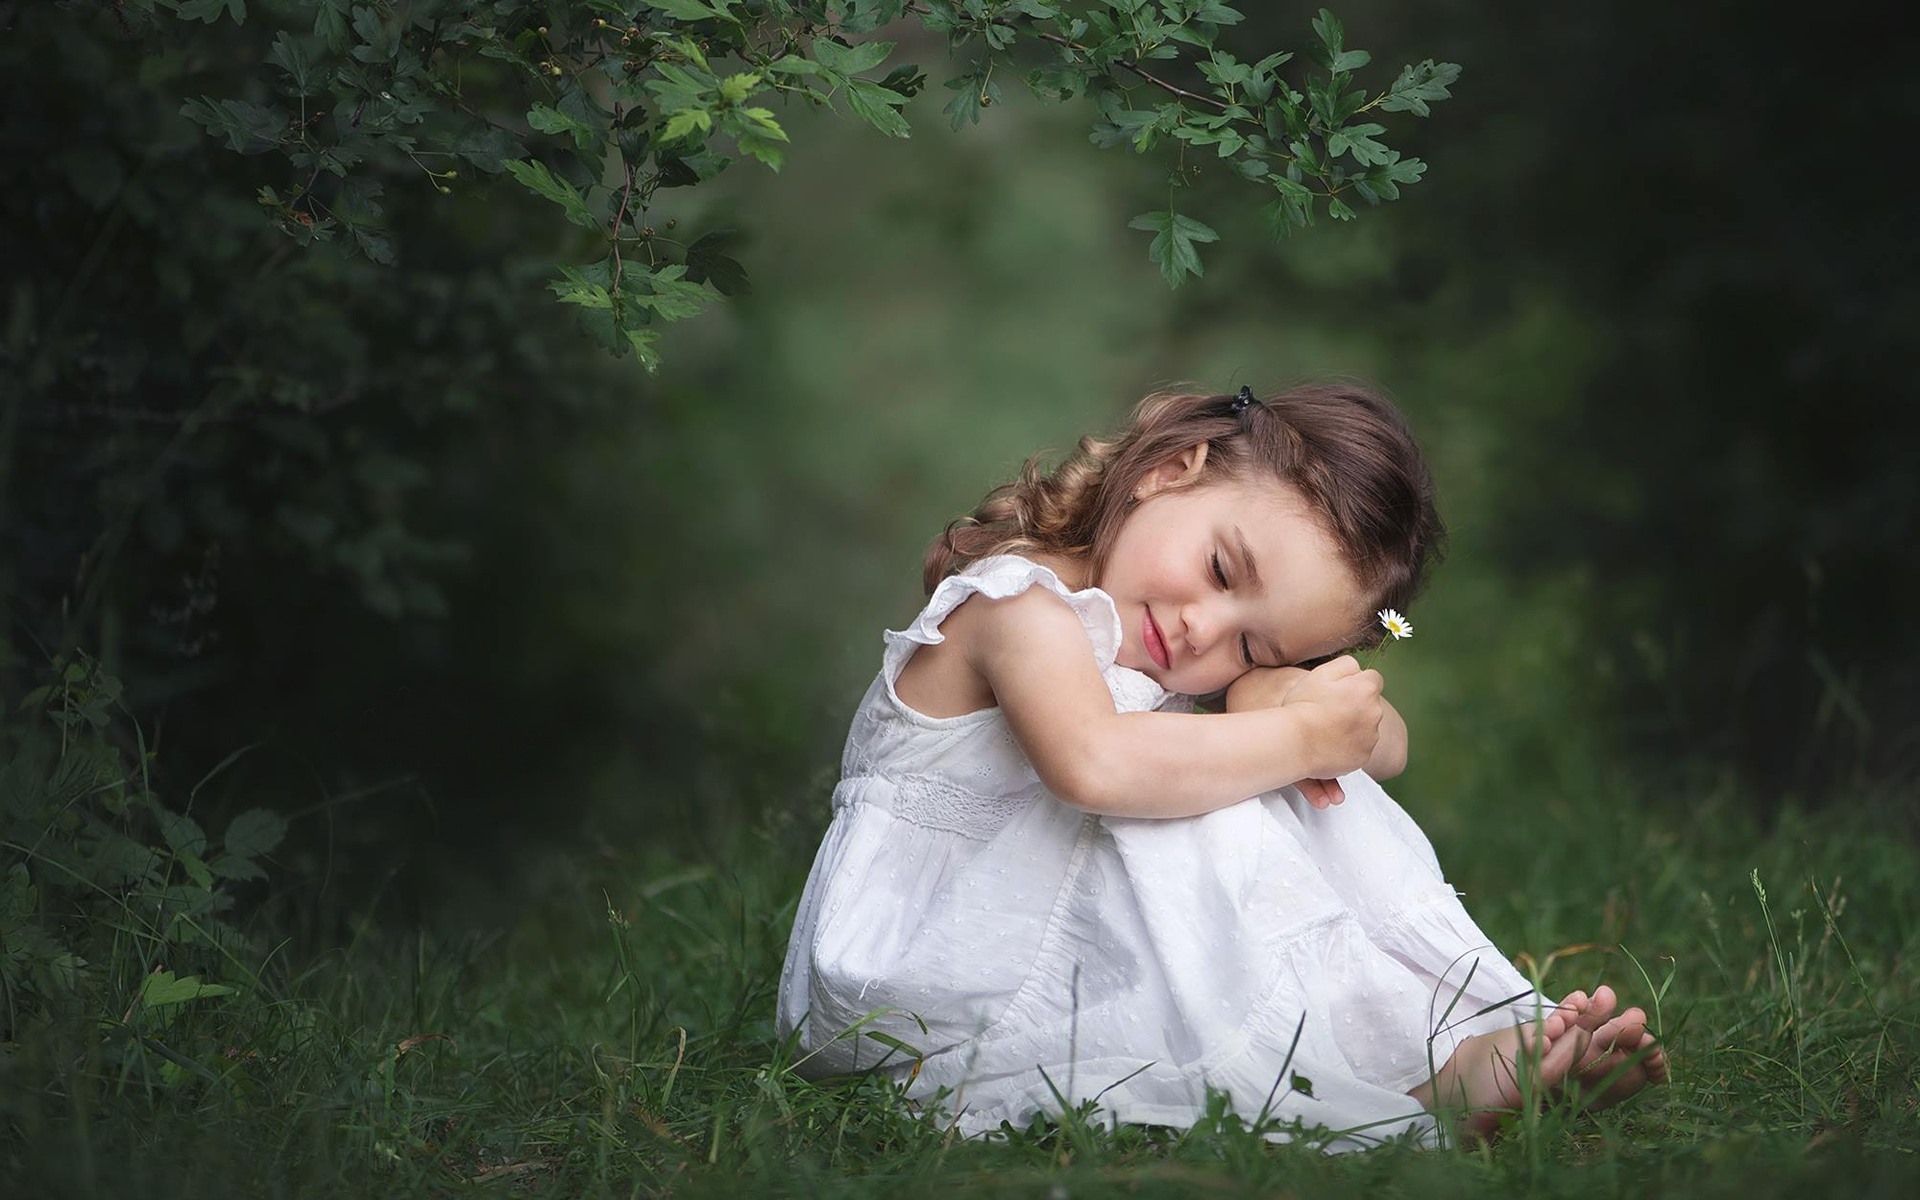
1491	1075
1621	1059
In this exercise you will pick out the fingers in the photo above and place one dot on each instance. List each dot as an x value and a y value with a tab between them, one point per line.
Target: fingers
1338	668
1347	666
1322	793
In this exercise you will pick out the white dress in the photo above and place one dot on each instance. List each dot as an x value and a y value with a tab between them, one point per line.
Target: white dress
963	929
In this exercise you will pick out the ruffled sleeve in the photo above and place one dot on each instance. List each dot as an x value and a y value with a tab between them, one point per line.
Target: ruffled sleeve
997	576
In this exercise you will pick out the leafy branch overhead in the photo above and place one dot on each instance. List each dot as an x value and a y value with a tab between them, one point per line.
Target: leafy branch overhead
596	105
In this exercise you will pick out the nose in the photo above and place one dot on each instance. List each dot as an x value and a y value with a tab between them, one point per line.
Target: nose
1204	627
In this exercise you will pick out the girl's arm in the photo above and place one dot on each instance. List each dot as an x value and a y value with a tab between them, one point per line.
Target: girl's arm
1267	687
1032	651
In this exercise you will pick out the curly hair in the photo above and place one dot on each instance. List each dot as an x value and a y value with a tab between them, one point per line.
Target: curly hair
1345	447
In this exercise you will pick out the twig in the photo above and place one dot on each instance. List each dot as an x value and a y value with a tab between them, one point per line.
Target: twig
1069	43
618	219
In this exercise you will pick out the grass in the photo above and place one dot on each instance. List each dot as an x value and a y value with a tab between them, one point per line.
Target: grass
615	1039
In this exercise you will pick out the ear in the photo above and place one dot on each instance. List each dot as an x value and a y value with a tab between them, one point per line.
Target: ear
1180	470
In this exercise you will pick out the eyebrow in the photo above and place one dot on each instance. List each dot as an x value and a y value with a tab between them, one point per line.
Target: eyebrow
1244	553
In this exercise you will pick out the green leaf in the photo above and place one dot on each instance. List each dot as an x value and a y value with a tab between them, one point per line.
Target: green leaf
291	55
229	866
575	287
1332	35
1291	210
793	64
735	89
865	16
682	123
643	342
209	10
379	42
535	177
850	60
1418	86
197	871
1357	140
1120	124
708	260
757	133
970	96
677	88
875	105
256	832
667	294
489	148
687	10
18	899
1173	243
330	23
1338	210
1405	170
182	833
552	120
161	989
249	128
1351	60
358	208
120	860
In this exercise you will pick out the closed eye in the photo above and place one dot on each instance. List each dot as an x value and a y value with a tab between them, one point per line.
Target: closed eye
1246	650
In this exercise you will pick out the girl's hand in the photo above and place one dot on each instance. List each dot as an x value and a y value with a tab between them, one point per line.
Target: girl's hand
1269	687
1342	709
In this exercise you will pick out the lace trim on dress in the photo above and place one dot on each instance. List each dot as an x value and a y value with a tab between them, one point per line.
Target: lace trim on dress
936	803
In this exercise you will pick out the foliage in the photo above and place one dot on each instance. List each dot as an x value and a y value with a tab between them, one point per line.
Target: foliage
274	341
114	903
596	105
223	460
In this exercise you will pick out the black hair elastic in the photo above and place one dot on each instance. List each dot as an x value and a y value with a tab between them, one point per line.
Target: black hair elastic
1239	404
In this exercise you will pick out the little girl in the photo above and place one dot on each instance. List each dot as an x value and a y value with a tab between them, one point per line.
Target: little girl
1048	879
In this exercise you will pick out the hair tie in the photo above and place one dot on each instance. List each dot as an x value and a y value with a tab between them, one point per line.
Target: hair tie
1238	406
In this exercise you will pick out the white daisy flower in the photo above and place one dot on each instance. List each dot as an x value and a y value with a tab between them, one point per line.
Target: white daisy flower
1396	624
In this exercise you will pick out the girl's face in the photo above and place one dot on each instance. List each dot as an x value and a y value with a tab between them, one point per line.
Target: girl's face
1286	597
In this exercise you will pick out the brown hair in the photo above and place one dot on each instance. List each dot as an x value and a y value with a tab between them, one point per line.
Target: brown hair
1341	444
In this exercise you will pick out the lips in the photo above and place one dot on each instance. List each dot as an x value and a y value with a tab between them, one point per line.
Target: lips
1155	643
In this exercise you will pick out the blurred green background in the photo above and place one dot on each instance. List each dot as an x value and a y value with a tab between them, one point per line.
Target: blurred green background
406	534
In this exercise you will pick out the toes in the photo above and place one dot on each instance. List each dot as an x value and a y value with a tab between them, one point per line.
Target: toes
1656	1062
1562	1055
1604	1002
1530	1038
1627	1070
1598	1009
1624	1032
